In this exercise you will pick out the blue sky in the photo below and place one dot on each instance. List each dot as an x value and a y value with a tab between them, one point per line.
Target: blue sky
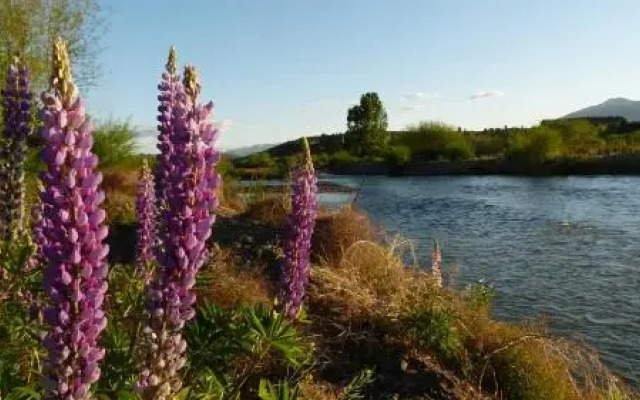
280	69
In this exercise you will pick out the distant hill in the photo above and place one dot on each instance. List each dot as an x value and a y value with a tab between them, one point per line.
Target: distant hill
248	150
616	107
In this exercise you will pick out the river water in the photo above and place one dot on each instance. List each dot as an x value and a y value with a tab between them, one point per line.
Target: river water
568	247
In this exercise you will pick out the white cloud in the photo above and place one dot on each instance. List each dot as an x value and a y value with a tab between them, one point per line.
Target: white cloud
412	107
418	100
421	96
487	94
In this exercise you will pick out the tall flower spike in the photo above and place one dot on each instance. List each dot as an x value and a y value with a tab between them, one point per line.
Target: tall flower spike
169	86
436	264
37	233
146	215
74	231
16	101
300	225
190	190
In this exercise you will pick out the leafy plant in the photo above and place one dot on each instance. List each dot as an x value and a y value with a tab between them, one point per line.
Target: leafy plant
435	329
229	347
479	296
114	144
272	331
281	391
354	390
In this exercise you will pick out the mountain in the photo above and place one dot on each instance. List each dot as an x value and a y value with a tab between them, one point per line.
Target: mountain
248	150
616	107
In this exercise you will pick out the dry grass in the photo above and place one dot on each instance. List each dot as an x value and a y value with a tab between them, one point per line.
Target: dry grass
120	208
222	283
369	281
312	389
271	211
119	181
337	232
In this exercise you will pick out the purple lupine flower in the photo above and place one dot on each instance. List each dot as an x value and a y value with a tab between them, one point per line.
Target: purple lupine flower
76	271
300	225
37	233
436	264
169	86
146	215
16	101
191	186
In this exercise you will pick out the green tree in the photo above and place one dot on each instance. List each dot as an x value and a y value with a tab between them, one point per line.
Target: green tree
114	144
367	126
28	27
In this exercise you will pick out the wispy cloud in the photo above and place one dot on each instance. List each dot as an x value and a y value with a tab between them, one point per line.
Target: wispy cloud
487	94
418	100
412	107
421	96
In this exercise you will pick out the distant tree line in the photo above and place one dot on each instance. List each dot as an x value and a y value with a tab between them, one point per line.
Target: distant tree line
367	139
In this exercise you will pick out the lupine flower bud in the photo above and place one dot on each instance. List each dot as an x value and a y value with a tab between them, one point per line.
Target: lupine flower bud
190	190
436	264
16	102
75	275
146	215
300	225
169	85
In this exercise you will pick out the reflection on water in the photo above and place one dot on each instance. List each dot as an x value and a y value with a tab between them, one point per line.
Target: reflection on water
566	247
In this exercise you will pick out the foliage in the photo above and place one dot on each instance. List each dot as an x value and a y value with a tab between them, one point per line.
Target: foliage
257	160
436	329
398	155
537	146
479	296
29	26
20	354
220	338
354	390
114	144
281	391
367	126
437	141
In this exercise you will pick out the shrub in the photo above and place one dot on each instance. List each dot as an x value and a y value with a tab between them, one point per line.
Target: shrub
435	329
114	143
257	160
538	146
437	141
397	156
343	159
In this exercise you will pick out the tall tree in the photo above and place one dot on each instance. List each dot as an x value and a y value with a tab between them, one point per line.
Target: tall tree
29	27
367	126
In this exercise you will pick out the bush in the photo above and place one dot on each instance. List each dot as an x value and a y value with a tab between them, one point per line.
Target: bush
437	141
398	156
343	159
257	160
114	144
538	146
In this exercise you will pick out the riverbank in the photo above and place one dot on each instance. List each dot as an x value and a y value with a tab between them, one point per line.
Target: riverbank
278	187
623	164
371	324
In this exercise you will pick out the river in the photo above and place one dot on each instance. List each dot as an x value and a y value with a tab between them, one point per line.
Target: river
567	248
